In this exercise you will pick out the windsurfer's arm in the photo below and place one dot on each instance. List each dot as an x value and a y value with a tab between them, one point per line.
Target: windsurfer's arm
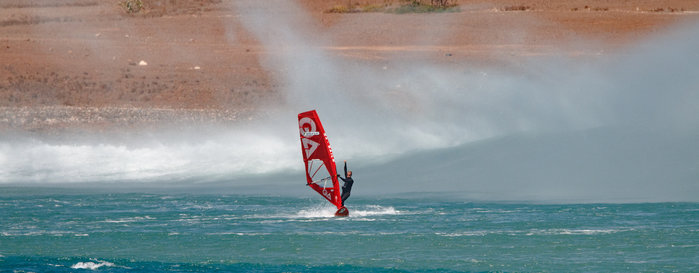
345	168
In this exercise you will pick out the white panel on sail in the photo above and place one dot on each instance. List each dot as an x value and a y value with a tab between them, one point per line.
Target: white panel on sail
318	172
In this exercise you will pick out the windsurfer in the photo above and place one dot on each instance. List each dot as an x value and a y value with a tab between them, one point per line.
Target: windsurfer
347	187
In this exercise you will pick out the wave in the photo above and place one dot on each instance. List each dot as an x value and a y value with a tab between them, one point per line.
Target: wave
91	265
363	211
533	232
129	219
374	210
42	233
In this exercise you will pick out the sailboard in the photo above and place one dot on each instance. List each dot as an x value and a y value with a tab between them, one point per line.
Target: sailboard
321	174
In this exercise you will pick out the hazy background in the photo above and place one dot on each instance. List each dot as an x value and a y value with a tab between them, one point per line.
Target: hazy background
618	127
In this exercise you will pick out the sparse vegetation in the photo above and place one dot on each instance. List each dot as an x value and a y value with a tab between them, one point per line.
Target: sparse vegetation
155	8
374	8
339	9
405	6
354	8
417	6
669	9
517	8
132	6
590	8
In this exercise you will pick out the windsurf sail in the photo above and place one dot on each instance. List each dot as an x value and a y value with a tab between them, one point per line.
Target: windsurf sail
321	174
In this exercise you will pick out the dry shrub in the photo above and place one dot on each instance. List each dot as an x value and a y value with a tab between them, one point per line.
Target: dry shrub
338	9
417	6
132	6
350	8
154	8
517	8
441	3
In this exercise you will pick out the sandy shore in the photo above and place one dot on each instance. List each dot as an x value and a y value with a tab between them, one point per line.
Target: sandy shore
92	64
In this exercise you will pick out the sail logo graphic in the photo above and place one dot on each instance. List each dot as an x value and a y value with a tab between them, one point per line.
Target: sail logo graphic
307	127
310	134
326	194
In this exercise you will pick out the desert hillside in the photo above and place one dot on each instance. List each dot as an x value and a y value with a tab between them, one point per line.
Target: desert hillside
97	63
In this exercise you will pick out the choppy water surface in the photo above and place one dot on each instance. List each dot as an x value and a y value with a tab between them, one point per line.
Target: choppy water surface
127	232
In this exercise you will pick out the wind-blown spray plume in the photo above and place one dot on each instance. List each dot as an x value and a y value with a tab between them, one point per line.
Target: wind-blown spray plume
620	127
601	130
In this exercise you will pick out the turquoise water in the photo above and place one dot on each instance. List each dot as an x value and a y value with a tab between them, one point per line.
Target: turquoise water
45	231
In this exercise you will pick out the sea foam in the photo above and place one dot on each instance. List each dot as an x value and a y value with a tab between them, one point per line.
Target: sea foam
327	211
91	265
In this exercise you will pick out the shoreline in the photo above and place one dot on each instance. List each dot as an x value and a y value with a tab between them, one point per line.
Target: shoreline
57	119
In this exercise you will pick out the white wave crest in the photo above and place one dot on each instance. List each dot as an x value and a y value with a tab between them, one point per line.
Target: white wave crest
91	265
321	211
374	210
533	232
328	211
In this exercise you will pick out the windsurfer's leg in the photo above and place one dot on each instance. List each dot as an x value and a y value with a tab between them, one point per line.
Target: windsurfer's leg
345	195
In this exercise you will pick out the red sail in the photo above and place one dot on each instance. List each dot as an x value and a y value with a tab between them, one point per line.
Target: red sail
318	158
